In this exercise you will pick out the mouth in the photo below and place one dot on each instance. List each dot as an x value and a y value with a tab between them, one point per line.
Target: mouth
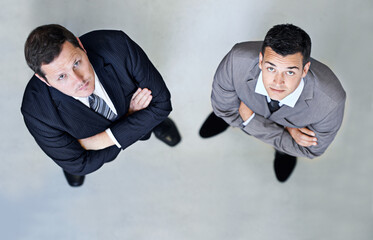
277	90
84	87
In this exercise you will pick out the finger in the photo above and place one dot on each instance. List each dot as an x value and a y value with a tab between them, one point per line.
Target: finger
141	94
307	144
307	131
135	94
304	140
307	138
148	101
307	141
144	99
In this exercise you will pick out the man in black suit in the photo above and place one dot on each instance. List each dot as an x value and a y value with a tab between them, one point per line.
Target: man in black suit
92	96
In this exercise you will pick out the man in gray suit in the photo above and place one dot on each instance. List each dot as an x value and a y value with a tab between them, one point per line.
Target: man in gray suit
275	92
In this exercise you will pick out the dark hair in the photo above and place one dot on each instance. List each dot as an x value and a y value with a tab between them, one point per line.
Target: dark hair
45	44
286	39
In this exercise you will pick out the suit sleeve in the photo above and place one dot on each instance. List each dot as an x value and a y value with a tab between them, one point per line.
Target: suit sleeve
65	150
277	136
128	130
224	99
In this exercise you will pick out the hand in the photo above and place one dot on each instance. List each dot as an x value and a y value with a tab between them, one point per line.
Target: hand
303	136
96	142
140	100
245	111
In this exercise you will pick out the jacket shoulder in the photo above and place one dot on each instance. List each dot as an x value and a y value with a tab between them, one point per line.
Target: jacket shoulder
326	81
103	38
246	54
108	44
100	35
247	49
37	100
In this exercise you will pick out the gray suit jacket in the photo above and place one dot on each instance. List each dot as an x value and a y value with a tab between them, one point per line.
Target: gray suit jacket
319	108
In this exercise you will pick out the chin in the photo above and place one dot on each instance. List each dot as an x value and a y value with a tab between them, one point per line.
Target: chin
86	93
276	97
90	92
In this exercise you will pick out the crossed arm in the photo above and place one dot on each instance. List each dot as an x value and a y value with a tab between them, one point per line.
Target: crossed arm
155	105
69	152
307	142
302	136
140	100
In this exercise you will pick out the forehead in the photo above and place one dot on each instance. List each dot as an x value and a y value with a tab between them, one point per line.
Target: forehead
63	61
279	60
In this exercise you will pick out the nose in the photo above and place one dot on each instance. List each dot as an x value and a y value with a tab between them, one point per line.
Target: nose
278	79
77	77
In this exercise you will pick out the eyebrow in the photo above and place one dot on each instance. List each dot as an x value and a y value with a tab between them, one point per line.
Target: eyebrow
293	67
74	61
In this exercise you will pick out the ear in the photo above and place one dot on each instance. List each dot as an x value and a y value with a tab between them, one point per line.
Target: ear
42	79
305	69
80	44
260	60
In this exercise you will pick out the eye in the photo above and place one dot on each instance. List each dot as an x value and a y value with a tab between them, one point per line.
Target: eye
290	73
77	63
270	69
62	76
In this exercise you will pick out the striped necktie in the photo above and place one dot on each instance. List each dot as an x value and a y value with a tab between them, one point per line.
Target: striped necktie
98	105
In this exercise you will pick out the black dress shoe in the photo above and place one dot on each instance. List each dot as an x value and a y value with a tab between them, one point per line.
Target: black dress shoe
167	132
74	180
213	126
284	165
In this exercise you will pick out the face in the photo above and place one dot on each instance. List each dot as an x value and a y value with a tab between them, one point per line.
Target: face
70	72
281	75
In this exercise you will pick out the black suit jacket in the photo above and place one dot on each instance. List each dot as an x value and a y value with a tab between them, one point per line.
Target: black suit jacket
56	120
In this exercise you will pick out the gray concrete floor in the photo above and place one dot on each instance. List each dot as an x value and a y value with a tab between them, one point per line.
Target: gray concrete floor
220	188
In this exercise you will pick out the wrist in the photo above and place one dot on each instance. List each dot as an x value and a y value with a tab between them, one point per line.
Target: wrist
245	115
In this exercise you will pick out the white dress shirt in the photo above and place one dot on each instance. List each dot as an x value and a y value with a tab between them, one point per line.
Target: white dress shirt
290	100
100	91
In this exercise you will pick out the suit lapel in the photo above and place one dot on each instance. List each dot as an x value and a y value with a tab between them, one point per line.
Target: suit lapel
75	110
301	105
258	100
109	80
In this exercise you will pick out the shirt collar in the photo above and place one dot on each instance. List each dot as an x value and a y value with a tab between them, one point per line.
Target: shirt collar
290	100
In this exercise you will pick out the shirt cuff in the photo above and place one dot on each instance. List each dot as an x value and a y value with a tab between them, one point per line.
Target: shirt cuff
248	120
108	131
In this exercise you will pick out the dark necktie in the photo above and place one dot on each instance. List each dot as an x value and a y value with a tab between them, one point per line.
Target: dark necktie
99	105
273	105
